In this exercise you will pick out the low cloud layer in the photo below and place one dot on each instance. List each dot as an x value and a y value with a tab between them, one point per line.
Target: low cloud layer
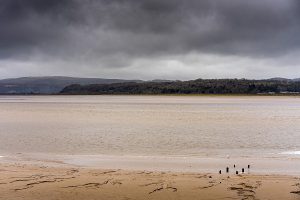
150	39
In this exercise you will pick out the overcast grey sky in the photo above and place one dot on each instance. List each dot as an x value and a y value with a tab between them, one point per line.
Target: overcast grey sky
150	39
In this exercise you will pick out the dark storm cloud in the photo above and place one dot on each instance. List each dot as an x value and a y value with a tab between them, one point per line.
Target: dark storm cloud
28	24
99	31
228	26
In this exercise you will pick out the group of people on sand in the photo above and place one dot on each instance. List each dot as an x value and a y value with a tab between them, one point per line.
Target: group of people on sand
236	172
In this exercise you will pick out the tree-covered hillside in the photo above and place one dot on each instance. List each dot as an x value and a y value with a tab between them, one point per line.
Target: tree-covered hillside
199	86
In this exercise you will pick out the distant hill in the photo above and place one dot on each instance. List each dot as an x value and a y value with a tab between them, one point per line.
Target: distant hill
49	84
280	79
160	80
284	79
296	79
199	86
74	85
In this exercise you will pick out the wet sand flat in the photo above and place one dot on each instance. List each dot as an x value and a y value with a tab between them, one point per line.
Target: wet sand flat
19	181
206	126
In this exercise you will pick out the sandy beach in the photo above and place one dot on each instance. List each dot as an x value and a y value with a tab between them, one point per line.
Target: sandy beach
25	181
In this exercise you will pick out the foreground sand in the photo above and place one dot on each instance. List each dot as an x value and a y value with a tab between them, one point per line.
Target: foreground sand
40	182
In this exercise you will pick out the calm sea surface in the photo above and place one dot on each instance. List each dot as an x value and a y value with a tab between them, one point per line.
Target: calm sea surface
151	125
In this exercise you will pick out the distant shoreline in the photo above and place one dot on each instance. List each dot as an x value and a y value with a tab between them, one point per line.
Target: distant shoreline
92	86
204	95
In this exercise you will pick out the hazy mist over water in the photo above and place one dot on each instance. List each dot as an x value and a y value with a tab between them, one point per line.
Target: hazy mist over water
214	126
